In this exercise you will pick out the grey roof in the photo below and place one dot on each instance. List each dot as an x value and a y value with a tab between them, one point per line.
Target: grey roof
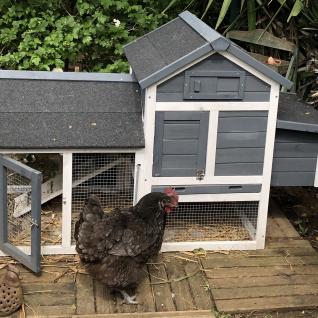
180	42
295	114
69	110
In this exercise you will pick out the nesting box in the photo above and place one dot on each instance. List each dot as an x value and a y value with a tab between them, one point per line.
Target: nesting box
197	113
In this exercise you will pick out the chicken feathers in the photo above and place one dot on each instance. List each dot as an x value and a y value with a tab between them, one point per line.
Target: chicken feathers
116	245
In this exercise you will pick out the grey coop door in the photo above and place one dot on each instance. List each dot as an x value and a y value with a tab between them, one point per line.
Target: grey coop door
20	184
180	144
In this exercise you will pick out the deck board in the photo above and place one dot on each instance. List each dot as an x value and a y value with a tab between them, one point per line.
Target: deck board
162	292
104	299
85	302
283	276
180	288
199	286
267	303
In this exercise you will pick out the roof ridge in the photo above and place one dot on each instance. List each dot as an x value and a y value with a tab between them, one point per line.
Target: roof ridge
200	27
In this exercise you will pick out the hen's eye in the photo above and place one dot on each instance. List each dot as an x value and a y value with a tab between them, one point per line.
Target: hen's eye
165	202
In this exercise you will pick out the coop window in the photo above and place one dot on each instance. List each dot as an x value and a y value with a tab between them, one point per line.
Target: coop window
207	84
109	176
212	221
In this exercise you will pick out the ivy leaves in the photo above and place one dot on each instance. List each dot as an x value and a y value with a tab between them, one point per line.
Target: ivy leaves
41	35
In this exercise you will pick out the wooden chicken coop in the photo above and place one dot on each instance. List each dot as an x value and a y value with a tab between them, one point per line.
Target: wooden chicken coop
197	113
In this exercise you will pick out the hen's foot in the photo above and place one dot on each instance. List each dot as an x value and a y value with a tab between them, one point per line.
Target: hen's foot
129	300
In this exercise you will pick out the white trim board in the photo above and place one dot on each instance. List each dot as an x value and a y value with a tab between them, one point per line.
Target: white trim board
316	175
267	167
220	197
48	250
67	200
207	180
58	150
211	143
166	247
208	245
145	156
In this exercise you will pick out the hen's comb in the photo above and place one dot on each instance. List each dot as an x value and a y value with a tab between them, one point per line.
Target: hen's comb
170	192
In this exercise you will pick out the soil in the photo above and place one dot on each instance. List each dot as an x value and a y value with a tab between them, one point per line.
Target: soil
300	205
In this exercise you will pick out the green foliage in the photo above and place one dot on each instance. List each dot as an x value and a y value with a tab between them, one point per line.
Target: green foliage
221	315
224	9
41	35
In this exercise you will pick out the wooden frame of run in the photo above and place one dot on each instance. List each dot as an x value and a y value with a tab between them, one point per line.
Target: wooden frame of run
66	246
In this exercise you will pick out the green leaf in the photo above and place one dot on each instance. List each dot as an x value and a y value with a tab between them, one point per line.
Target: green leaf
242	4
251	15
207	8
35	60
224	9
297	8
172	2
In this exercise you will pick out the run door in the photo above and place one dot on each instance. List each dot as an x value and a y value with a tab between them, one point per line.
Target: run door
20	181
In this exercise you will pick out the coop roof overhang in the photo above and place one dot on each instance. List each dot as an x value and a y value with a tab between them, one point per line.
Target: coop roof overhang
47	110
295	114
68	76
178	43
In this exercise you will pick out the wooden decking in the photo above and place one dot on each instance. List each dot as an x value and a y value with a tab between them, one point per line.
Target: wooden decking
284	276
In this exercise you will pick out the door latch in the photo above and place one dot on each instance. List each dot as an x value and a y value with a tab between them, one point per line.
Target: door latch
200	173
34	222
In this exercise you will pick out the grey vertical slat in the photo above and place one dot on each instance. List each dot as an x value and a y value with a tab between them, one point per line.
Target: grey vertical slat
158	144
175	127
3	203
36	227
203	140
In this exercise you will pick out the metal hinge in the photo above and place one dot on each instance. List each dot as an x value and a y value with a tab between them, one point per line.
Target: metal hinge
200	173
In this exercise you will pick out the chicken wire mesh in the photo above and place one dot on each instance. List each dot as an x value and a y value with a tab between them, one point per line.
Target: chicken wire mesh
18	197
212	221
109	176
19	200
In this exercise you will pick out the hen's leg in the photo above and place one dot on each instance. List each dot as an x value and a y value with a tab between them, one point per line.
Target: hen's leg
130	300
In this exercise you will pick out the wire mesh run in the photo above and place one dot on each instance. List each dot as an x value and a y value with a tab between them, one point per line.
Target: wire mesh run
212	221
19	200
18	197
109	176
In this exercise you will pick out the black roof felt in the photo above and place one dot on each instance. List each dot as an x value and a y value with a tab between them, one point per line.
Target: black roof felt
295	114
42	113
183	40
161	47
